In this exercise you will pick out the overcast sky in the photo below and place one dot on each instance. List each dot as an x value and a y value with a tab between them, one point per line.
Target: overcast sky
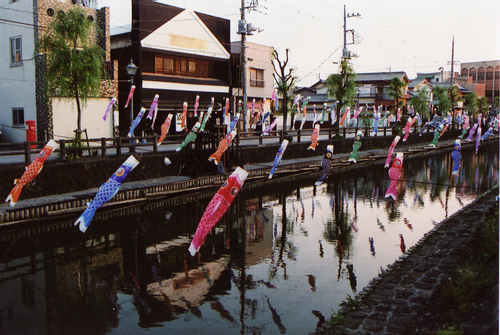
411	36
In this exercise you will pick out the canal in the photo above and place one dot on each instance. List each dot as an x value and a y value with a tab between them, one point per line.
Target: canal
282	258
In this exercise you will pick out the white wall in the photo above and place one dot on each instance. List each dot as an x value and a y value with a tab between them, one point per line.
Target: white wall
17	83
64	113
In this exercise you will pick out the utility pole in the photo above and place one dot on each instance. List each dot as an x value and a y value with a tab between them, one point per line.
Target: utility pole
345	52
245	29
451	78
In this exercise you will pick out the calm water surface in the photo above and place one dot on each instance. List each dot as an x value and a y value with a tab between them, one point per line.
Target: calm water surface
282	257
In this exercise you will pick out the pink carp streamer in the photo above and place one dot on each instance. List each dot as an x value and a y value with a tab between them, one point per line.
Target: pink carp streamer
394	175
164	128
391	150
223	145
130	94
111	103
196	104
217	207
407	128
31	172
356	113
398	115
275	99
314	138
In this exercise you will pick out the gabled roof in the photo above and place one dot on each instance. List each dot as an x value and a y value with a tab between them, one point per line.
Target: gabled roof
374	77
185	33
419	81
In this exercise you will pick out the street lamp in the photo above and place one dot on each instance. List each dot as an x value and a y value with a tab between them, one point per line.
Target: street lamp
131	71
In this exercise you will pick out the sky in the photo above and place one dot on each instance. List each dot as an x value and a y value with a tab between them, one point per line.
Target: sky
390	35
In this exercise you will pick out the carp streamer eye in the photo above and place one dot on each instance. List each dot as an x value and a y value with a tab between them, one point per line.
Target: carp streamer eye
234	191
120	172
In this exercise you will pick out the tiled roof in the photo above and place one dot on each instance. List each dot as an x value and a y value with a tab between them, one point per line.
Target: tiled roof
378	76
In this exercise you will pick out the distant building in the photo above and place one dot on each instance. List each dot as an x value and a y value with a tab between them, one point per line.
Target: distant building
419	84
374	88
180	54
23	80
486	73
259	74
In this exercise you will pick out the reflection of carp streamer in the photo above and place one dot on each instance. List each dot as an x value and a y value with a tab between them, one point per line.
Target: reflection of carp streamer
456	155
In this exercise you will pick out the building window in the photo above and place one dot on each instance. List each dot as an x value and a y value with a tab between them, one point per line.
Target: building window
256	77
181	66
480	75
16	50
18	116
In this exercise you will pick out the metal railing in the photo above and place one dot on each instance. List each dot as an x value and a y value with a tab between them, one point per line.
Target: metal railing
71	149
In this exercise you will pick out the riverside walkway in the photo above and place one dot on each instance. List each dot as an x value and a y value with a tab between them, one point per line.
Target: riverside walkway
33	209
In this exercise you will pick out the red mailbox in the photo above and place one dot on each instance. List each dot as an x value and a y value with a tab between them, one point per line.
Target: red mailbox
31	132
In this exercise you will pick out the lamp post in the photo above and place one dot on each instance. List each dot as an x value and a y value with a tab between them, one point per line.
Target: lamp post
131	71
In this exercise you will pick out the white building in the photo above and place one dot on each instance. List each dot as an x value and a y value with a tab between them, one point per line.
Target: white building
22	79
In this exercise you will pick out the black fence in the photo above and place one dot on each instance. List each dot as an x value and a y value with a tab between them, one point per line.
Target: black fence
71	149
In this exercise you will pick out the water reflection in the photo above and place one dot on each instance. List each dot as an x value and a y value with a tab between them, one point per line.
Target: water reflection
278	261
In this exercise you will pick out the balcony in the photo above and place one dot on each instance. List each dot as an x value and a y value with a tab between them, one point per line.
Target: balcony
86	3
256	83
109	72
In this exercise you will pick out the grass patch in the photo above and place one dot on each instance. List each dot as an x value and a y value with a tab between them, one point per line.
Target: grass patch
476	277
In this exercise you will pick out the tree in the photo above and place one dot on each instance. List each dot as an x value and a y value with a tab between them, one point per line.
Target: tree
444	101
342	86
74	60
420	103
483	105
285	81
471	103
396	91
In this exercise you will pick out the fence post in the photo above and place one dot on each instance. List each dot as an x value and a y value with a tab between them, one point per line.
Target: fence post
27	153
103	146
131	145
62	149
330	133
385	131
119	146
260	140
155	143
344	132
